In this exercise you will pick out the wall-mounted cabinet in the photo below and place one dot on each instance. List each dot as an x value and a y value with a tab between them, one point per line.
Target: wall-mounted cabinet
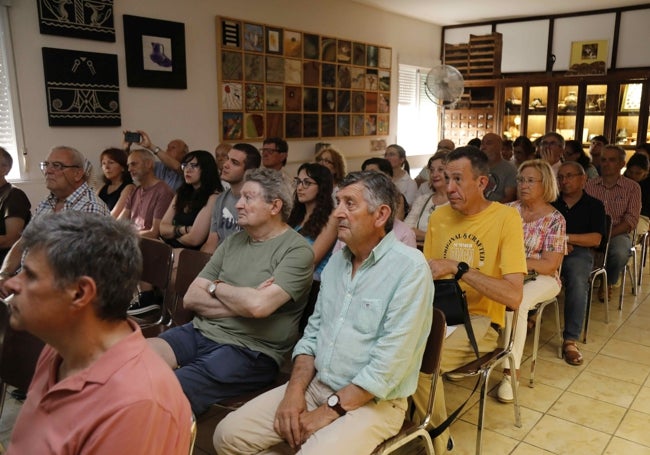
615	105
474	114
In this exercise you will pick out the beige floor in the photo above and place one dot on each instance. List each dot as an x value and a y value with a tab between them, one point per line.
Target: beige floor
601	407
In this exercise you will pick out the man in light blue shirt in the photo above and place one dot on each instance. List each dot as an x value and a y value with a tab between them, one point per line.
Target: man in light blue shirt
359	357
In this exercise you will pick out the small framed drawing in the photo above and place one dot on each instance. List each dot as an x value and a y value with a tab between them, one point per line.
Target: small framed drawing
588	58
273	40
155	53
631	100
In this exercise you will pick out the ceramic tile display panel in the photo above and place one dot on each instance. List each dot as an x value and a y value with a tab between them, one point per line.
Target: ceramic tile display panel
295	84
82	88
87	19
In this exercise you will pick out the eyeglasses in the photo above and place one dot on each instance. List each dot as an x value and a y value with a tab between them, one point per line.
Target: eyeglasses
190	165
56	165
304	182
549	144
567	176
325	160
529	181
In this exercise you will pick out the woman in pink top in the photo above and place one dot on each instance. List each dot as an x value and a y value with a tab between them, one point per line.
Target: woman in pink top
545	244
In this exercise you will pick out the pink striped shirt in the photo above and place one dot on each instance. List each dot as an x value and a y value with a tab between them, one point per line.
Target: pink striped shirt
622	201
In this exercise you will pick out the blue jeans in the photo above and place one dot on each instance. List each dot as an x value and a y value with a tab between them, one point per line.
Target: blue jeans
617	256
576	268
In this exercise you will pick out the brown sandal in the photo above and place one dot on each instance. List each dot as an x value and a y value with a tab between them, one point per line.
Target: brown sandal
571	353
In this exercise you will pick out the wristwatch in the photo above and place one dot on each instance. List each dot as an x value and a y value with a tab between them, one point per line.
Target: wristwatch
463	267
334	402
213	288
156	150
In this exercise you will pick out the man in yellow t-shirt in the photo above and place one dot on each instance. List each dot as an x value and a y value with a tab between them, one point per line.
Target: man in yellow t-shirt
481	244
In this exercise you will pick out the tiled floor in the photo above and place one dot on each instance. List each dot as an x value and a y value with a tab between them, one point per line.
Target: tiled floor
601	407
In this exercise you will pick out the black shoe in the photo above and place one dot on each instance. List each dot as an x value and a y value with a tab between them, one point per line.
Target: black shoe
145	303
18	395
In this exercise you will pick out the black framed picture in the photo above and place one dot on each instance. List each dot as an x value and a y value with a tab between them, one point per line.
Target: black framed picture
81	88
155	53
87	19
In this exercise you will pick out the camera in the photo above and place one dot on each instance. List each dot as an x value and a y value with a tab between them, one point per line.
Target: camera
132	137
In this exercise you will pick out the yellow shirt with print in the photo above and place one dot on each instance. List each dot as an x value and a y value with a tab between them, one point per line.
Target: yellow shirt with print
491	241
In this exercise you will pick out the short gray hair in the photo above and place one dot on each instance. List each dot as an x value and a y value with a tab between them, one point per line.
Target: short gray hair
146	155
274	186
379	189
80	244
77	159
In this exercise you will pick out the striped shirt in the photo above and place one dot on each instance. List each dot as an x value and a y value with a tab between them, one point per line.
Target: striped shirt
83	199
622	201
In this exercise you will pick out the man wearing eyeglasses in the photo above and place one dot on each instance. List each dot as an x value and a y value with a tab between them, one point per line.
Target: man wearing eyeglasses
585	228
552	149
66	177
274	156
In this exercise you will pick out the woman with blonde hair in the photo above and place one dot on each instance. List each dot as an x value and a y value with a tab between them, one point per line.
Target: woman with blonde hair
545	244
335	162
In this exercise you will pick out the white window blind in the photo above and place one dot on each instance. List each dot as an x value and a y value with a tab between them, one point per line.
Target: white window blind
9	118
417	116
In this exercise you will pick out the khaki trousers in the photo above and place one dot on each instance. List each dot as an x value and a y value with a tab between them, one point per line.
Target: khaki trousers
457	351
249	430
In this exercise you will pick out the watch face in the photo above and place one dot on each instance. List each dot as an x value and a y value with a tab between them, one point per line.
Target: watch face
212	288
333	400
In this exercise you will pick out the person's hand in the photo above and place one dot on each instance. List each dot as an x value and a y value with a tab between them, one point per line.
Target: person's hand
442	267
266	283
4	292
145	141
287	417
312	421
569	248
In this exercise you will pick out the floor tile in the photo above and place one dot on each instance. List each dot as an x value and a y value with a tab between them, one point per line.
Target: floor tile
619	369
627	351
563	437
527	449
605	388
589	412
634	427
618	446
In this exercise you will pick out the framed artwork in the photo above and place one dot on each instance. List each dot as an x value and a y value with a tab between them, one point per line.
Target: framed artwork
87	19
81	88
588	58
631	100
295	84
273	40
155	53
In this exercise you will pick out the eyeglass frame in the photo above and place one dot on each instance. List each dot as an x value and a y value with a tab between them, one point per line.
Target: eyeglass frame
193	166
57	166
324	160
304	182
529	181
568	176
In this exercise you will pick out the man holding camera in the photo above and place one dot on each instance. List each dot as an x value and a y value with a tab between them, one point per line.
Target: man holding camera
168	169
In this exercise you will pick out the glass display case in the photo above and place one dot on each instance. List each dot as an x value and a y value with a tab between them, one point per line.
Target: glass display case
567	110
537	110
627	117
512	115
595	104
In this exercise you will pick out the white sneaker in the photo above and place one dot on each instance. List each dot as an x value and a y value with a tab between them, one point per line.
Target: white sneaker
504	392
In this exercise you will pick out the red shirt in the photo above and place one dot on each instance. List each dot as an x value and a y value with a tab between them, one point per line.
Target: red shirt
127	402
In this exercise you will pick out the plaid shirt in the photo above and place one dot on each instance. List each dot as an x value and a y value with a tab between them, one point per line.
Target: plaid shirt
622	201
83	199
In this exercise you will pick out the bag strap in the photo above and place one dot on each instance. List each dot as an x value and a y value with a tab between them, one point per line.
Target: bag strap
437	431
467	322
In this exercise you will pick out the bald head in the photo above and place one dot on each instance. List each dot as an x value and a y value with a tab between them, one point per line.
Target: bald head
446	144
177	149
491	146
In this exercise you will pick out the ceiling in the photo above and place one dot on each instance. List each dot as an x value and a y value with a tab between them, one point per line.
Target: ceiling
453	12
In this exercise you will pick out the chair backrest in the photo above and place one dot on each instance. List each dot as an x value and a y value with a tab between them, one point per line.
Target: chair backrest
19	352
600	253
190	264
157	262
432	356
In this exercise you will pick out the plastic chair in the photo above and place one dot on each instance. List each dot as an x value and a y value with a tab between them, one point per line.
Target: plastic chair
430	365
483	368
643	241
598	270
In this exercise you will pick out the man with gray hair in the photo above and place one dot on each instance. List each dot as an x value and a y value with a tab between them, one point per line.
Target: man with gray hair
551	149
359	357
66	176
97	387
248	300
148	203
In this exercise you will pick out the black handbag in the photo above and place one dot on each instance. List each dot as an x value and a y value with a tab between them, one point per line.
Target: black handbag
449	298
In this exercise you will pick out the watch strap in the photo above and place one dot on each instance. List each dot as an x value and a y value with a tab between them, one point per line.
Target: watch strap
337	406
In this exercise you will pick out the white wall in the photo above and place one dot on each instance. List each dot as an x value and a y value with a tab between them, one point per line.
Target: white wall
192	114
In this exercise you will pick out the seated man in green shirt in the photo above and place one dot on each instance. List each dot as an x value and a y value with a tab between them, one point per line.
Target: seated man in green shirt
248	300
